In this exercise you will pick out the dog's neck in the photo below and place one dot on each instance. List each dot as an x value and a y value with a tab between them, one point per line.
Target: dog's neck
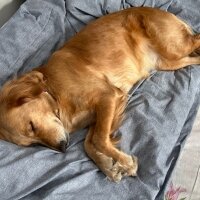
72	115
73	121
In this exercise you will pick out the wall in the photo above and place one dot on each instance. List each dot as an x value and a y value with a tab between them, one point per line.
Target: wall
8	8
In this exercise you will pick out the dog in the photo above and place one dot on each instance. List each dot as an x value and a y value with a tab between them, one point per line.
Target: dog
86	84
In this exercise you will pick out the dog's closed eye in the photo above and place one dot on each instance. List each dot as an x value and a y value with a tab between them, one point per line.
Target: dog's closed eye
57	113
32	127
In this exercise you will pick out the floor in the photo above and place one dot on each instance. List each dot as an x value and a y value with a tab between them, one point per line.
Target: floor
187	171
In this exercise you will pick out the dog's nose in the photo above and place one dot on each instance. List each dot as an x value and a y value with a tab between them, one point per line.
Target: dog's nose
63	146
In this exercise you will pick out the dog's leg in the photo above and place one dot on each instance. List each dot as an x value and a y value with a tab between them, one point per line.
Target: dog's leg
176	51
178	41
165	64
98	145
191	46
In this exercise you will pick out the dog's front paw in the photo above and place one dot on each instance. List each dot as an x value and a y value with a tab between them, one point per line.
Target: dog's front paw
119	169
116	170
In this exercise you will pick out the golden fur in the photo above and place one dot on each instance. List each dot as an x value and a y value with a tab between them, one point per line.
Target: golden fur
86	82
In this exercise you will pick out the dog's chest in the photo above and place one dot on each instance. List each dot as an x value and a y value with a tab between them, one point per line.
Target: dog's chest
81	120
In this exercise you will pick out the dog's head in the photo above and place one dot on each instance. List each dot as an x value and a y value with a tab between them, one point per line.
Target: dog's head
29	114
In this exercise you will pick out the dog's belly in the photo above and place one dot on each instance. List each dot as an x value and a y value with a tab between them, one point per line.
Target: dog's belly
127	71
129	75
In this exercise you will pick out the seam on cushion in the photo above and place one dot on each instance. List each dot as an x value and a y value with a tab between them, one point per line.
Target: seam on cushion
35	36
41	46
4	27
40	33
21	57
70	23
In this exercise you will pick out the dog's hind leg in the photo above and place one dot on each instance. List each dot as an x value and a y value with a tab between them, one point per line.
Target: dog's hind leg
178	40
168	65
188	56
187	45
114	163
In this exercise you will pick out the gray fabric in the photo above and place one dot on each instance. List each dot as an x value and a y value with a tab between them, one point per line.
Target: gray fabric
159	115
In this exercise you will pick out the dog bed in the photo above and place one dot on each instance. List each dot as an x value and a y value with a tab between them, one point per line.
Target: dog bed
159	114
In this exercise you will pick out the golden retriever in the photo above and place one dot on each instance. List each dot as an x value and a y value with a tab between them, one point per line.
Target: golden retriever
86	83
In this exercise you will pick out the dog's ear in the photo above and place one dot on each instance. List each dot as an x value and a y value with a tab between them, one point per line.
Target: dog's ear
23	89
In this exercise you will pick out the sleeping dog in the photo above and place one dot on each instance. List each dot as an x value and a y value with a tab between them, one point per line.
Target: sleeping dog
86	82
